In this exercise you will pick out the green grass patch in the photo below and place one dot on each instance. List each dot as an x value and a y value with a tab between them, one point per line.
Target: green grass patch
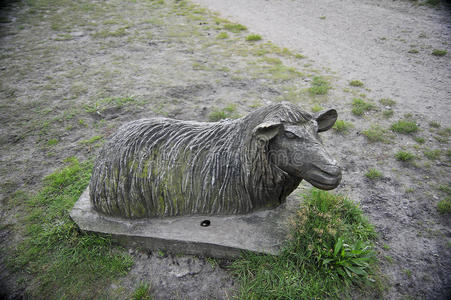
52	142
223	35
92	140
387	102
342	127
377	134
232	27
329	251
119	32
142	292
359	106
404	156
432	154
445	188
320	86
419	139
105	103
444	206
63	262
437	52
317	108
404	126
356	83
373	174
228	112
413	51
253	38
388	113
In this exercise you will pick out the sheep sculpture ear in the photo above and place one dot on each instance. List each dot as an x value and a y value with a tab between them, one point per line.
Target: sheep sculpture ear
267	130
326	119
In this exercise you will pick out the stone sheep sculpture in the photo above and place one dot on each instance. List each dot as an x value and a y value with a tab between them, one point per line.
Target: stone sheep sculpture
164	167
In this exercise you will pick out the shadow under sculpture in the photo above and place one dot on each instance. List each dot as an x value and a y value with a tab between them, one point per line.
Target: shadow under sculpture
164	167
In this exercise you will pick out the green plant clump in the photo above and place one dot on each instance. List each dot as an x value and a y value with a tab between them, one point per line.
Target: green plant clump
234	27
253	37
223	35
226	113
356	83
376	134
438	52
142	292
64	262
444	206
320	86
388	113
373	174
432	154
404	156
419	139
342	126
330	249
359	106
404	126
317	108
387	102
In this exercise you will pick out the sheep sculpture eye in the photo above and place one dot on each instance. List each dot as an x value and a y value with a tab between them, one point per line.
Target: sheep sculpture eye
289	135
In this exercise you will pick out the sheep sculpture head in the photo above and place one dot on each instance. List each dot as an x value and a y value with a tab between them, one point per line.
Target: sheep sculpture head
297	149
164	167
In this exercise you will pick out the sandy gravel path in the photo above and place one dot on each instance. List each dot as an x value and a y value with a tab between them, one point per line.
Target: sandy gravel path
365	40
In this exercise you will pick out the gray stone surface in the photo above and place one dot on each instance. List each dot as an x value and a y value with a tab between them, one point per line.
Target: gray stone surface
227	236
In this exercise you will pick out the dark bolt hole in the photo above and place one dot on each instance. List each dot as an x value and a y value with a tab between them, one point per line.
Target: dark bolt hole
205	223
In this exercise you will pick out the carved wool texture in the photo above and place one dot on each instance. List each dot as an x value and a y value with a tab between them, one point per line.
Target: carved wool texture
165	167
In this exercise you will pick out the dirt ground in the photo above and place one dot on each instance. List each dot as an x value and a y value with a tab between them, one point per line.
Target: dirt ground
72	73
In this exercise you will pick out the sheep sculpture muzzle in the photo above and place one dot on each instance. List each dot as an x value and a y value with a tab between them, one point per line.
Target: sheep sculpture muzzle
163	167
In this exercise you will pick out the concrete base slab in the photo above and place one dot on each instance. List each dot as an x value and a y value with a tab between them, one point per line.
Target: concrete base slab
226	236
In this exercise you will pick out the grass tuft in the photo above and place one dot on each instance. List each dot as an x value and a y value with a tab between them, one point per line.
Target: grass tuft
64	262
317	108
329	250
142	292
444	206
373	174
359	106
356	83
419	139
226	113
432	154
223	35
387	102
235	28
404	156
437	52
253	38
320	86
342	126
388	113
404	126
376	134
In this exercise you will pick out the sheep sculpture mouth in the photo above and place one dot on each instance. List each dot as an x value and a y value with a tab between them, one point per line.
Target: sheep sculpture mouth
322	179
